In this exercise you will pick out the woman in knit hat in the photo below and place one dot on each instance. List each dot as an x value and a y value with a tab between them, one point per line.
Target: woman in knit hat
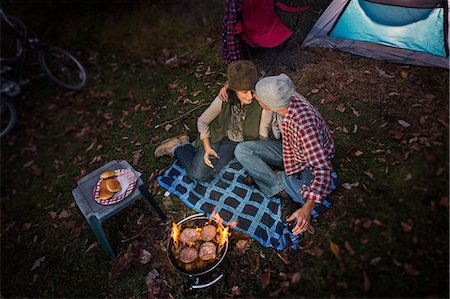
222	126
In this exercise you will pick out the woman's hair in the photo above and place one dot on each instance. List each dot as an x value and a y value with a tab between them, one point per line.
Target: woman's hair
232	97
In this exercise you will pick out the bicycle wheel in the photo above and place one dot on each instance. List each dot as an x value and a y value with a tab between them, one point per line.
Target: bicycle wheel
62	68
8	115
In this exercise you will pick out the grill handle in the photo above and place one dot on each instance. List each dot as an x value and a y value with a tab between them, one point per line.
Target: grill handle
196	285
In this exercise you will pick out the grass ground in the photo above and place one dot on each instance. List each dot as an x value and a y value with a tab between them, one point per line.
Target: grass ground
386	235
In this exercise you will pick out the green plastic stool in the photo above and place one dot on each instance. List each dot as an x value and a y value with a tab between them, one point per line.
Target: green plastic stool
96	213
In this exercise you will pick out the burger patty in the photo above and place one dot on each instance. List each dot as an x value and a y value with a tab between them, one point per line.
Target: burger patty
208	232
207	251
189	235
188	255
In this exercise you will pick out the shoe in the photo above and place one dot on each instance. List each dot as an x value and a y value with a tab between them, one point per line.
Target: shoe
288	207
166	147
249	181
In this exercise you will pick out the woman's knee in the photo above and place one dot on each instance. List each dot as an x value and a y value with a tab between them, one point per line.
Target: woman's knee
199	174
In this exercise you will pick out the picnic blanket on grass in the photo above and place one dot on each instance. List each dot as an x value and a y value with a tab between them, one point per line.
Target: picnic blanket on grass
256	215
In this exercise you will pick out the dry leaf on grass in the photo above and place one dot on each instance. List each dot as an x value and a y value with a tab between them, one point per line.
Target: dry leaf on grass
38	262
335	250
366	283
243	245
265	279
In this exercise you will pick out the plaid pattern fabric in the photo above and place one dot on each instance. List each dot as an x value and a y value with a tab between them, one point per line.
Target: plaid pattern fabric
307	143
231	43
257	216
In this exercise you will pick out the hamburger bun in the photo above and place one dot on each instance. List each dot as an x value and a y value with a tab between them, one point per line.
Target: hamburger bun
113	185
105	194
107	174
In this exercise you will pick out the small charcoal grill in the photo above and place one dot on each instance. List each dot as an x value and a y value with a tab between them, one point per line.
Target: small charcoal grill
199	270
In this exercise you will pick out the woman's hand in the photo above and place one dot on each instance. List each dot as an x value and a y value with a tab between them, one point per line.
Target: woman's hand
302	216
223	94
210	152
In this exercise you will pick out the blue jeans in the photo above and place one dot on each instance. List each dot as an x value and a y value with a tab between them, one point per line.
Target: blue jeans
194	164
257	157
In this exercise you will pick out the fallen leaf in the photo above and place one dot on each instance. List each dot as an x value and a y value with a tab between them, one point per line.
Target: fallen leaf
196	93
367	223
38	262
242	245
168	127
369	174
403	123
341	108
349	248
315	90
36	170
265	279
144	256
355	112
284	257
173	85
93	245
408	177
366	283
404	74
406	227
296	277
137	155
63	214
26	226
377	222
150	278
444	201
335	250
119	265
375	261
236	291
409	269
358	153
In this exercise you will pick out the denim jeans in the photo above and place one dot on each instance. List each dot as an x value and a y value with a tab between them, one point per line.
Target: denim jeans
257	157
193	161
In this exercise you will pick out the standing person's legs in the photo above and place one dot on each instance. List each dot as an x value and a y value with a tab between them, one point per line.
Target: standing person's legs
255	157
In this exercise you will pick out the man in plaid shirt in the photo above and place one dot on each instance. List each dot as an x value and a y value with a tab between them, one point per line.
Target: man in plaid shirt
305	152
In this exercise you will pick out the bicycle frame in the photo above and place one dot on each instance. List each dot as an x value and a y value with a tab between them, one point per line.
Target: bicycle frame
25	39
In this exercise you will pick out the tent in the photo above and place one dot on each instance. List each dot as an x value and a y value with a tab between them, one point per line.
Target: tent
401	31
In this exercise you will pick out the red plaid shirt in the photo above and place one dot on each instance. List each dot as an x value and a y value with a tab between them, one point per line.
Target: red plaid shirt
231	42
307	143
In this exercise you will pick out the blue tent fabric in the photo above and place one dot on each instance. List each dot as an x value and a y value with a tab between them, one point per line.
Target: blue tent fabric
416	29
246	206
401	31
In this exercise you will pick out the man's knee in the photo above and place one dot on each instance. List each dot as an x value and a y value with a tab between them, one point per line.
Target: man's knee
243	149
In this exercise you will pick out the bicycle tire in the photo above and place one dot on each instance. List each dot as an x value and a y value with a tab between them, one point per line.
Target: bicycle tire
8	114
62	68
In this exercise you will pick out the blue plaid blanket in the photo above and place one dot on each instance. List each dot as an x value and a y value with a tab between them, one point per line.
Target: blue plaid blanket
257	216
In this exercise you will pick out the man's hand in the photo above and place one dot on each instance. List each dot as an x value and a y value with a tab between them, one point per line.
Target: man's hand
303	216
223	94
210	152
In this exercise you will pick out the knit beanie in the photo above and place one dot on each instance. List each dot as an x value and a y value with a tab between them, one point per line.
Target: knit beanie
242	75
275	91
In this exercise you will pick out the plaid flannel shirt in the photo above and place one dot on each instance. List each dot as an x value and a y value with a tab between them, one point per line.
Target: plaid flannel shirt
307	143
231	43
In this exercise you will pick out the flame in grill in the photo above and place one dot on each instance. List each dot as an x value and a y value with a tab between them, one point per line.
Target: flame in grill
222	233
175	234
